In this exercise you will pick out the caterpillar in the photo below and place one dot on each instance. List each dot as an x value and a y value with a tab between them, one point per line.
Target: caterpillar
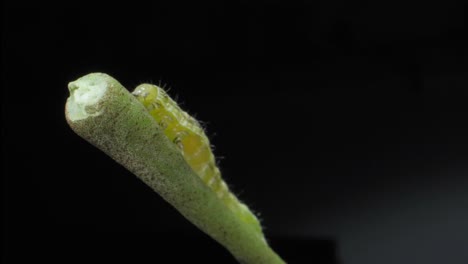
189	137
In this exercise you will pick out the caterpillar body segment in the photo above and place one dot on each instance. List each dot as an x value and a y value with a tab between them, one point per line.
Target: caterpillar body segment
187	133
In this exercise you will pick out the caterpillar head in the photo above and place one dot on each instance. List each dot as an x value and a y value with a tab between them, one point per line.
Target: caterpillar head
146	93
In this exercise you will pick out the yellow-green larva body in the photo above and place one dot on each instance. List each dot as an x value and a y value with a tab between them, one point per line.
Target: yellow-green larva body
190	138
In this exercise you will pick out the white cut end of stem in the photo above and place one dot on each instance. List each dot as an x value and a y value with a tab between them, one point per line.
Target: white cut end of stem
85	93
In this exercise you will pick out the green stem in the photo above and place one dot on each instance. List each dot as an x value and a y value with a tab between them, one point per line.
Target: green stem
104	113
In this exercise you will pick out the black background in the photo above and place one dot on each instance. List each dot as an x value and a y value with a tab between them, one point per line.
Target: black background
344	124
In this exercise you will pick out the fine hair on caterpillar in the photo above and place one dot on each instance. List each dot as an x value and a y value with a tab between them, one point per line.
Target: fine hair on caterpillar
167	89
189	137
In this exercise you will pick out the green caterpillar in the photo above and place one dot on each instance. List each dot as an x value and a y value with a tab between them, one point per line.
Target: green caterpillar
186	132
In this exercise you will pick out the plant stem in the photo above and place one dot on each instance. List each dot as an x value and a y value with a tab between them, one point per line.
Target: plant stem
104	113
